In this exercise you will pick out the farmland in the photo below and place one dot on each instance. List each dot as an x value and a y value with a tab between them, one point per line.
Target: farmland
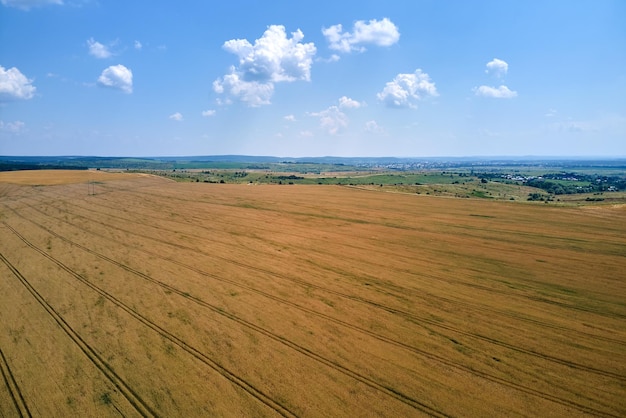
134	295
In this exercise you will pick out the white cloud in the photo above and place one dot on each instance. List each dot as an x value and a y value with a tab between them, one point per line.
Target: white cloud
332	119
138	45
272	59
497	67
253	93
178	117
221	102
117	77
348	103
373	127
290	118
28	4
15	85
332	58
97	49
380	33
12	127
502	92
208	113
405	88
306	134
551	113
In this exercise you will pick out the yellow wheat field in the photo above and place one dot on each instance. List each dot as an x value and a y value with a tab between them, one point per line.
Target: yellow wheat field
137	296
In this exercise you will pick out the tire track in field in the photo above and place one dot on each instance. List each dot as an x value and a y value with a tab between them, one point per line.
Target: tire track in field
405	314
422	274
403	290
14	389
406	399
447	280
135	400
431	356
389	224
281	410
395	311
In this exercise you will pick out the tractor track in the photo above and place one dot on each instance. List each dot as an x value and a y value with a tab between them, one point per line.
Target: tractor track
256	393
540	299
395	288
533	236
392	310
434	357
406	399
135	400
13	388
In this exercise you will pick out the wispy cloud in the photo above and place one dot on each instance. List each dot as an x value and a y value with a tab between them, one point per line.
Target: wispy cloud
332	58
12	127
373	127
332	120
29	4
178	117
98	50
502	92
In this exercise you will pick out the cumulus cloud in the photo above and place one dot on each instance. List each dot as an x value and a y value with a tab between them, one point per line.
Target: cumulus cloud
178	117
253	93
497	67
97	49
117	77
374	32
290	118
15	85
348	103
138	45
332	120
208	113
502	92
28	4
404	89
273	58
12	127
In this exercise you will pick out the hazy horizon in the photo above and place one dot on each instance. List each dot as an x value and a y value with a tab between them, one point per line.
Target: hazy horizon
225	157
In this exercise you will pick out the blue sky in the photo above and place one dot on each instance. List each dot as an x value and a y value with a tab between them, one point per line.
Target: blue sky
342	78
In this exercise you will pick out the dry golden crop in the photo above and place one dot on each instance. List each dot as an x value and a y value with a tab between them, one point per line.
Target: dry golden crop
143	297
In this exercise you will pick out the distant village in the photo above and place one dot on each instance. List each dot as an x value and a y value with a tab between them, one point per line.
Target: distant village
568	183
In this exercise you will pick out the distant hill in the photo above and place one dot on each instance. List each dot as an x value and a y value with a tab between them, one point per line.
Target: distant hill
248	161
